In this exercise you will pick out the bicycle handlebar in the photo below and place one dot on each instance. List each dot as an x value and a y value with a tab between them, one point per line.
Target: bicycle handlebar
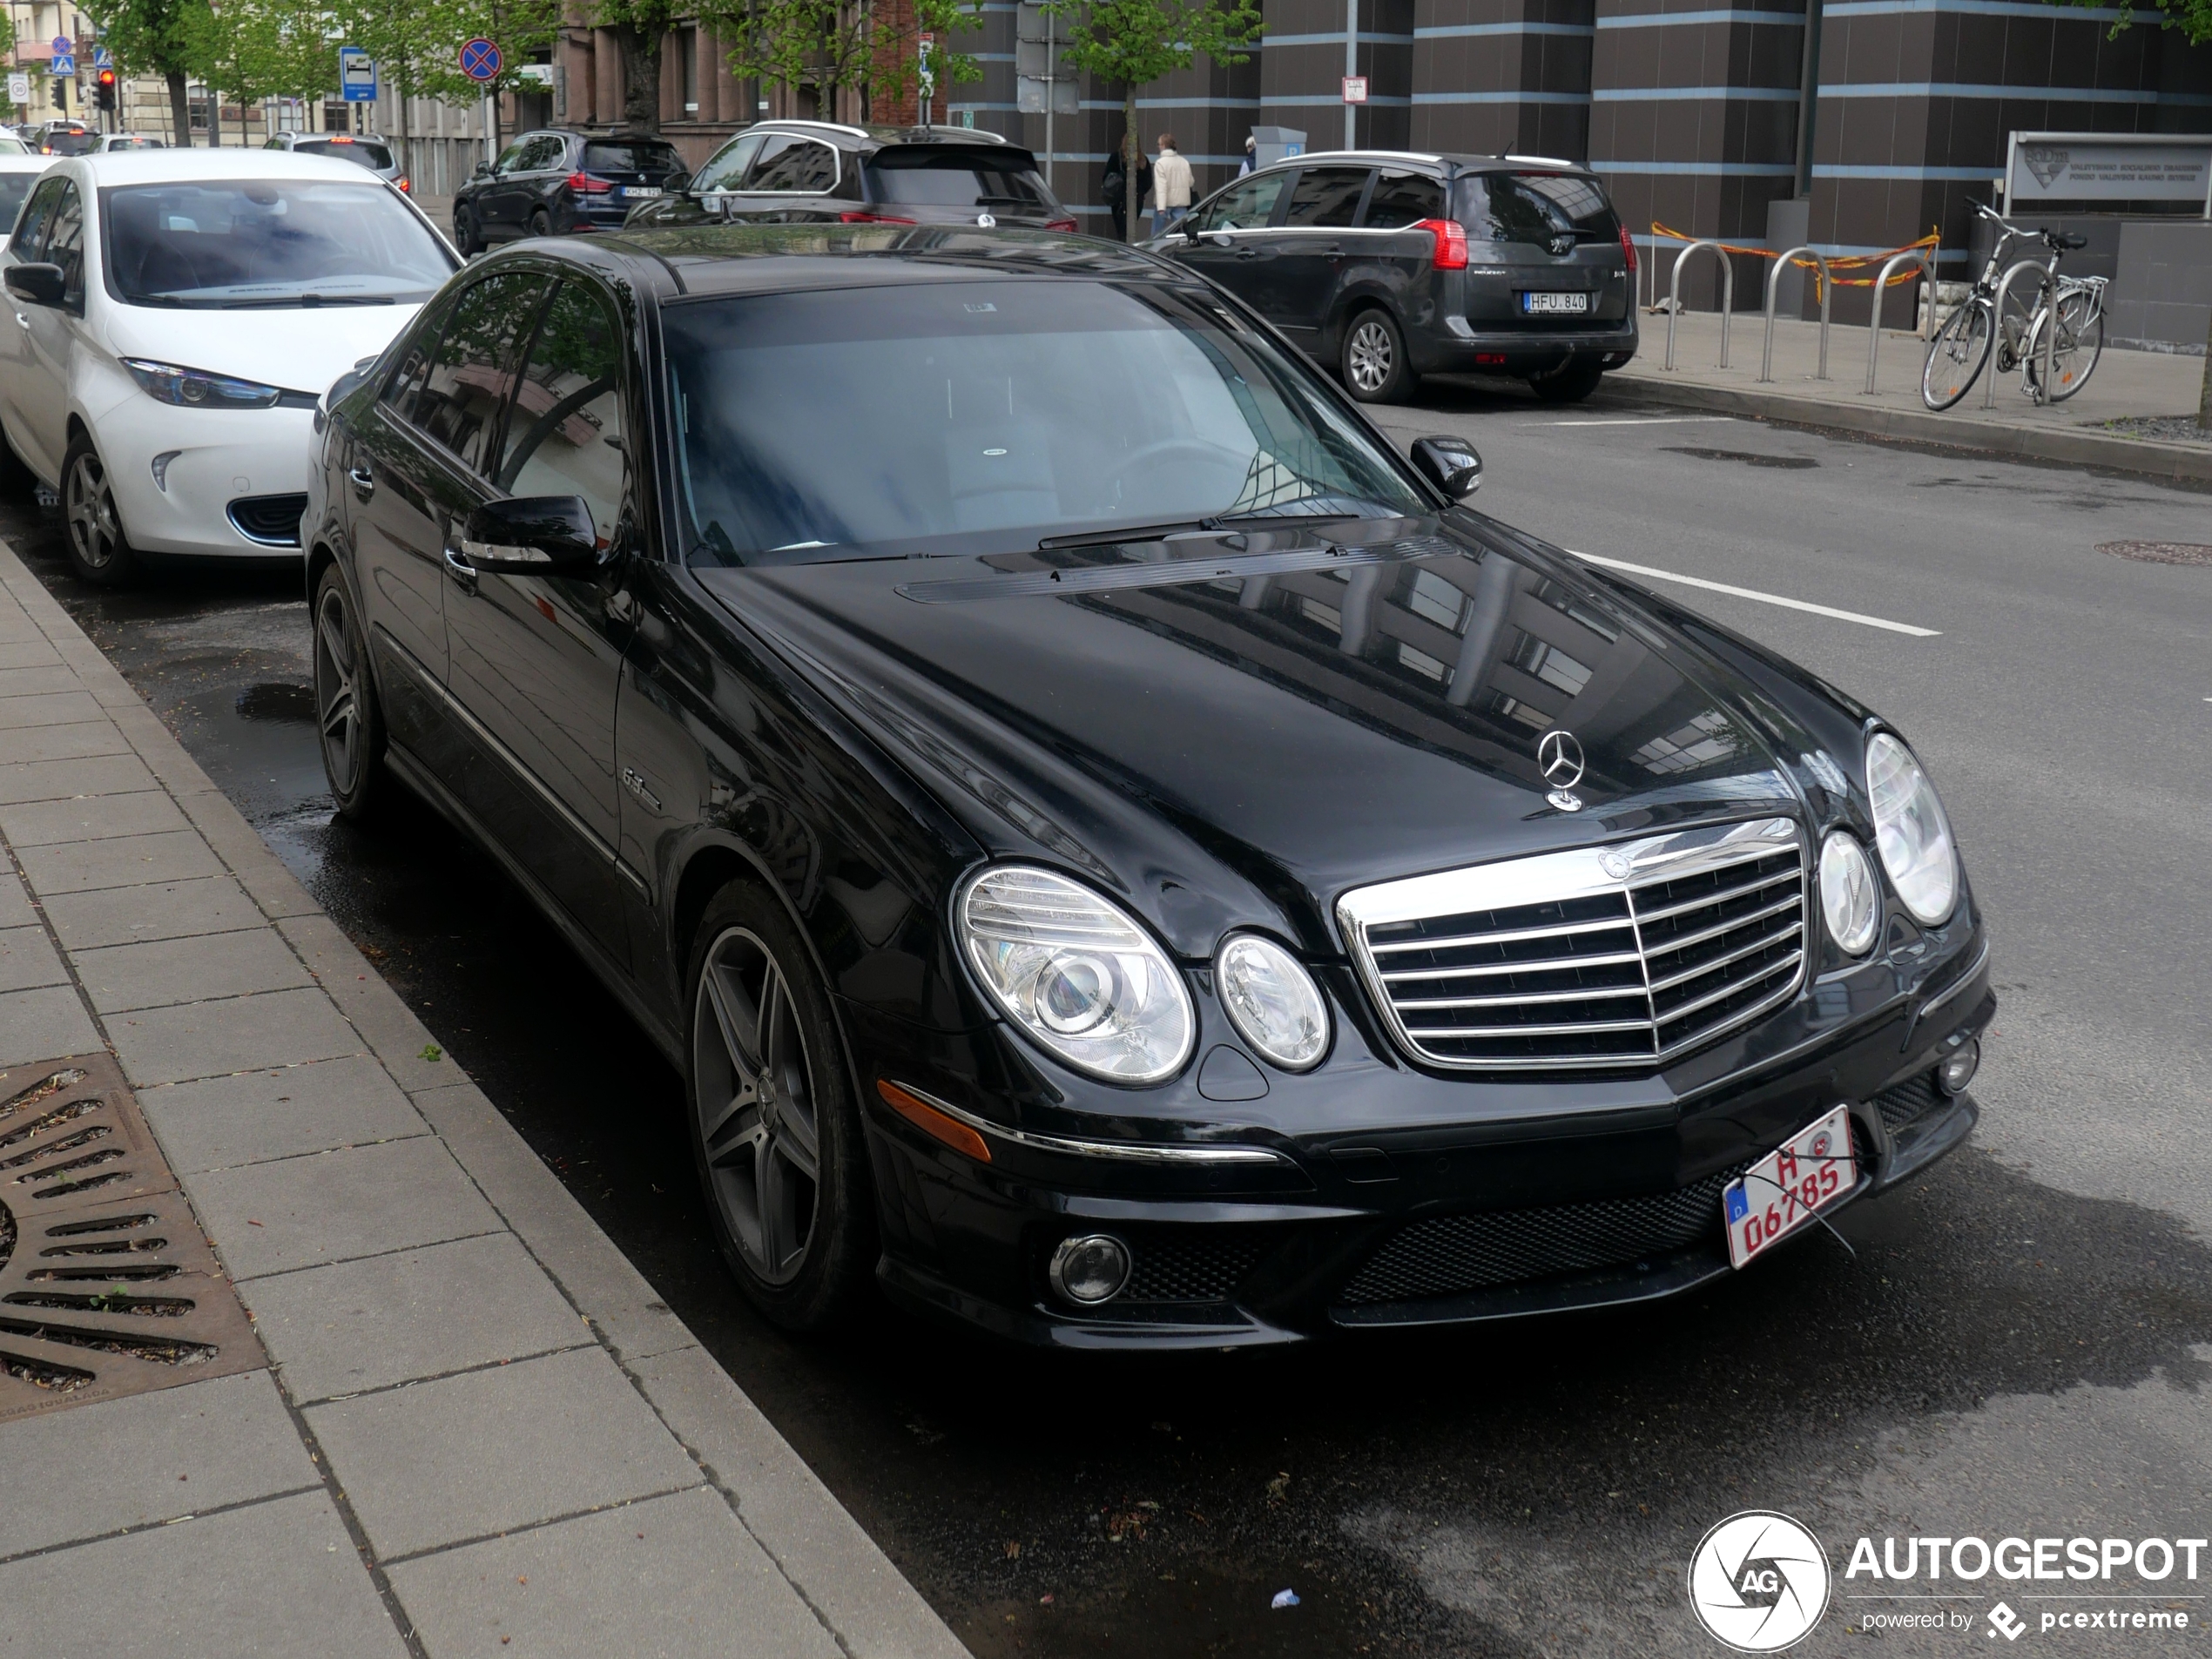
2057	241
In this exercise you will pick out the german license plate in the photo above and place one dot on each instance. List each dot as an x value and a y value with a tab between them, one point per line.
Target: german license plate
1573	304
641	190
1788	1186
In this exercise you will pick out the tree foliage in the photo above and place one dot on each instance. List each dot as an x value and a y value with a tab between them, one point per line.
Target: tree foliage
836	45
2192	17
1135	42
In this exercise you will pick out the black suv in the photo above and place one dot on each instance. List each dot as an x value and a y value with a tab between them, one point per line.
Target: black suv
801	173
1389	265
549	183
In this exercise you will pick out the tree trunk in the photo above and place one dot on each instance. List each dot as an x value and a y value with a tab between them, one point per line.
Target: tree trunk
180	108
1132	161
640	78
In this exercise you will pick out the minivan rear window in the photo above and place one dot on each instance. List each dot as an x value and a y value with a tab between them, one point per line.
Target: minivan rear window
1535	207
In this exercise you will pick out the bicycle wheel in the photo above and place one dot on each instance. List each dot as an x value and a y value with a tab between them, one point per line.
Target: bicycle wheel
2074	355
1956	355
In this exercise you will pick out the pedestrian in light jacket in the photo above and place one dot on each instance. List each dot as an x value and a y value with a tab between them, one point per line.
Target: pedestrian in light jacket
1171	179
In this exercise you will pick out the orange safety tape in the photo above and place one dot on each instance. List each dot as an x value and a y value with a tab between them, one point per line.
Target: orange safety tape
1853	262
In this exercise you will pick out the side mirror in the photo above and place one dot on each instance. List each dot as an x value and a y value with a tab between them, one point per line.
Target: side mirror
1449	463
36	285
532	536
483	170
1190	228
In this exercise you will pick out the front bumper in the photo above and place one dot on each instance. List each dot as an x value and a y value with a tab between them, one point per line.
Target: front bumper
215	457
1558	1195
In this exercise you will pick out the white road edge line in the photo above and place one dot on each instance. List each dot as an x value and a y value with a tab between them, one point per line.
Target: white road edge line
1765	598
1643	420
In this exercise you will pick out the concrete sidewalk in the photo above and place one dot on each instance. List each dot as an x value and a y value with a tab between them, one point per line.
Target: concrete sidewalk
2126	384
474	1428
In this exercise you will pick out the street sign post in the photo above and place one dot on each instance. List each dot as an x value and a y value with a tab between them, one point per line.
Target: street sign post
481	60
64	66
102	58
1355	89
356	75
18	87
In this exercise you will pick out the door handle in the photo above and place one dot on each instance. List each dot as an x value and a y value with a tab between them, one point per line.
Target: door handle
1247	253
460	570
364	481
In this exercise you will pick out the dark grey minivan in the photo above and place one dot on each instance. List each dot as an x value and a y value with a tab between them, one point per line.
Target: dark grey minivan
1387	266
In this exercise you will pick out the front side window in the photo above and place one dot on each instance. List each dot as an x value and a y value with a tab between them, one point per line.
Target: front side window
789	162
1248	205
724	169
38	213
564	429
1327	198
510	159
241	244
1403	198
956	417
472	371
65	244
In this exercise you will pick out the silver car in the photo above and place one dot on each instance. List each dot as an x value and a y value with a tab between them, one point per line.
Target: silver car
367	150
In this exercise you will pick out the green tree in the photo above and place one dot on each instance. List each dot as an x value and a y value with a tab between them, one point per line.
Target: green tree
1135	42
157	38
836	45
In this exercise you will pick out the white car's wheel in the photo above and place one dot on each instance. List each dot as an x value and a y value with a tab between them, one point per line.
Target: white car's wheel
98	550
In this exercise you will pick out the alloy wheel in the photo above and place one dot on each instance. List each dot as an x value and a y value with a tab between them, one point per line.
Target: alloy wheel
94	532
337	690
754	1086
1370	357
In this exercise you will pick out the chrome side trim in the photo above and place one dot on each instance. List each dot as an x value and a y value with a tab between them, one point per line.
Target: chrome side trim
1123	1151
1973	973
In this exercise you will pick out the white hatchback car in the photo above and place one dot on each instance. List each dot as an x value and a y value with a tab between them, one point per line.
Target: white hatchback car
178	315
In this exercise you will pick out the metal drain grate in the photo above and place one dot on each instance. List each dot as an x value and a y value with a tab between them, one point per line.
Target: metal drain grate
2159	552
107	1284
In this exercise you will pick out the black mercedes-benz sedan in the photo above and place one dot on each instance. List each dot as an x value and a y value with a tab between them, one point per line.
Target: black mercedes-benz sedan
1120	855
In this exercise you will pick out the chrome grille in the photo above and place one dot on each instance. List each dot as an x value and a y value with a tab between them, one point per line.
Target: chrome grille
1613	956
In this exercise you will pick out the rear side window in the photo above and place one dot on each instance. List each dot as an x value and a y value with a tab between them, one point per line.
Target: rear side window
794	164
602	156
1328	198
1403	198
963	176
1248	205
724	169
472	371
1536	207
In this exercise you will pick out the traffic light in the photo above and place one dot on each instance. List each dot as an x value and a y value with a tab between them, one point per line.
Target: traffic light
106	89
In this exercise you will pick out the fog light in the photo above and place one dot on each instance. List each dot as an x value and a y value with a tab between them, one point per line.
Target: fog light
1090	1269
1958	1068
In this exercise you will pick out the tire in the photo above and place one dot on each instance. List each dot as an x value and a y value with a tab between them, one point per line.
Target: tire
16	480
99	551
801	1241
1569	385
2078	347
541	223
349	721
468	235
1371	360
1956	356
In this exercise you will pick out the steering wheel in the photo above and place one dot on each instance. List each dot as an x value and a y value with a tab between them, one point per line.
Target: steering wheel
1195	450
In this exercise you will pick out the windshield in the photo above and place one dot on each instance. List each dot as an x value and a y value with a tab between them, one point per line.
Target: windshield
961	417
241	243
919	178
374	157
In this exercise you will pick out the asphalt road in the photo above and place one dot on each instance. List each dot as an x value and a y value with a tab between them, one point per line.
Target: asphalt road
2017	1343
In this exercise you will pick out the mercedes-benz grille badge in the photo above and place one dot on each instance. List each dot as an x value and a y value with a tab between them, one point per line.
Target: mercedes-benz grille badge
1558	756
987	221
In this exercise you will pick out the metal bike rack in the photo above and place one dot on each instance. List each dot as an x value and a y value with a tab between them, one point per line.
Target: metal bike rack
1766	357
1997	324
1673	295
1912	256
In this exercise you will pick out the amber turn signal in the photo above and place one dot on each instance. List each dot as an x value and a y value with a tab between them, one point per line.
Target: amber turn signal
938	1125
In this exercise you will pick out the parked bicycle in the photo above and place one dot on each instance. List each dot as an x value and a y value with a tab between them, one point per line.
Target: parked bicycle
1962	346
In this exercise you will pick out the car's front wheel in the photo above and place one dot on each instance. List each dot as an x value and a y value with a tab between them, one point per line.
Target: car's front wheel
1374	366
775	1128
98	550
351	723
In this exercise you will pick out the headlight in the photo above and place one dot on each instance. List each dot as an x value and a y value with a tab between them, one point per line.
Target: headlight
1850	901
1911	831
195	388
1078	974
1273	1000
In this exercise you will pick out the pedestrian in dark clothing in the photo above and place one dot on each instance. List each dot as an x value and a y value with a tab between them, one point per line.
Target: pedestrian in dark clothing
1114	190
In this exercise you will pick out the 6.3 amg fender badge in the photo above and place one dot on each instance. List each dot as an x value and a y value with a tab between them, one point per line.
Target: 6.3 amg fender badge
1558	756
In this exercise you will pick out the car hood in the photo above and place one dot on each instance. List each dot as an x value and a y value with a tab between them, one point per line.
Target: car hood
1236	730
300	349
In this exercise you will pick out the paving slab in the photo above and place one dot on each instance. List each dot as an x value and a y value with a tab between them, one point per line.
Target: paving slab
272	1581
101	774
47	708
419	1313
23	653
125	861
239	1033
36	1024
27	959
256	1117
62	742
338	1206
16	909
676	1577
212	904
149	1458
489	1451
89	817
164	972
21	679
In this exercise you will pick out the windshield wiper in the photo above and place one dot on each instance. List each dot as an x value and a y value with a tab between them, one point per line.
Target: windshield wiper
311	302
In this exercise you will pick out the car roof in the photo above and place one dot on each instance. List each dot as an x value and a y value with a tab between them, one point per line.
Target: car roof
1454	159
30	163
161	166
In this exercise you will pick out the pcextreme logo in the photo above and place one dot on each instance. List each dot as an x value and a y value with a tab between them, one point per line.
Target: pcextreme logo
1759	1581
